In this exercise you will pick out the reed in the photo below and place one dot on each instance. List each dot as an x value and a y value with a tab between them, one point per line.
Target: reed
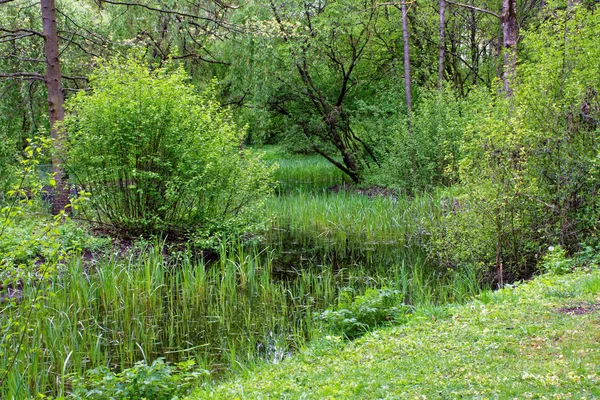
311	173
226	316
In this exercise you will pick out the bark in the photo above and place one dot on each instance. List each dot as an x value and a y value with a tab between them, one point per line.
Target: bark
407	86
509	43
442	48
55	101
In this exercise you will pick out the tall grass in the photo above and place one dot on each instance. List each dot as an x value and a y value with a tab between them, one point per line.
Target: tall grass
348	219
227	315
310	173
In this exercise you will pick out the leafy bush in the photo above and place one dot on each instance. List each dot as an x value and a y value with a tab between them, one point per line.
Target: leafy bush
427	153
555	261
530	163
159	158
353	316
157	381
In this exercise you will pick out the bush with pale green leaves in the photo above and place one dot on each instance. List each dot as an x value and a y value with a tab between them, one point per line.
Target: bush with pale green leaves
160	158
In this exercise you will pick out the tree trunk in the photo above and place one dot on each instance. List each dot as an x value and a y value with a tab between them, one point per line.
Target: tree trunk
474	48
407	86
509	43
55	101
442	46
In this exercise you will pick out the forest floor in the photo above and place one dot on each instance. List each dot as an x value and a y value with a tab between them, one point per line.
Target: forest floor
539	339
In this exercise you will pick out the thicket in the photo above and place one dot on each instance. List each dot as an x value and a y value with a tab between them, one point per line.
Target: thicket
529	167
159	158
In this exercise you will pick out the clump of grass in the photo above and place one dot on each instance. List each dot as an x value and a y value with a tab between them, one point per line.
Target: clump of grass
352	220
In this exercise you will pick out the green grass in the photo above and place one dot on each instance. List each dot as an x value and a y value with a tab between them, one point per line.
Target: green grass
353	220
514	343
302	172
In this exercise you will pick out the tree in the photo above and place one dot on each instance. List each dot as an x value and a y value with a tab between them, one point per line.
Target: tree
509	19
55	100
406	43
304	63
79	38
442	45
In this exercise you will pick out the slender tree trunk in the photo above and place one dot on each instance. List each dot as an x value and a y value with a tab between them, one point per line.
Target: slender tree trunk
508	18
442	47
509	43
474	48
55	100
407	86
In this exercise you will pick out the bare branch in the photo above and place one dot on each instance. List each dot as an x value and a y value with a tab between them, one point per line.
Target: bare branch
75	78
470	7
199	57
161	10
15	32
23	59
22	75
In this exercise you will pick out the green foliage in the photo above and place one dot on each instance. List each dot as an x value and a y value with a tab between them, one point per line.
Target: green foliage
529	163
30	255
355	315
156	381
23	241
308	70
560	105
7	163
425	153
555	261
159	158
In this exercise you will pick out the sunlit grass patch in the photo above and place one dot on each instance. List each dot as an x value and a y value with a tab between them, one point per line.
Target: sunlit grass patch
300	172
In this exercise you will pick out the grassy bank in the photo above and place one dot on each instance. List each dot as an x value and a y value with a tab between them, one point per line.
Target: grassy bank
254	305
538	340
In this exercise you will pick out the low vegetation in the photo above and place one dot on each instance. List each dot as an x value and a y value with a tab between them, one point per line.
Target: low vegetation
158	158
535	340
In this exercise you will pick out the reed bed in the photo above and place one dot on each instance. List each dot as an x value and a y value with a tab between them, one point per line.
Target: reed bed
226	316
346	219
151	305
299	172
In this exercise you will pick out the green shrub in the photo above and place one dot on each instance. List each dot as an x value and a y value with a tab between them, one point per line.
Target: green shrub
529	163
353	316
556	262
156	381
427	153
159	158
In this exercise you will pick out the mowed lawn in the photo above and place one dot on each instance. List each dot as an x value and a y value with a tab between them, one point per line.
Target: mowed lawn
538	340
